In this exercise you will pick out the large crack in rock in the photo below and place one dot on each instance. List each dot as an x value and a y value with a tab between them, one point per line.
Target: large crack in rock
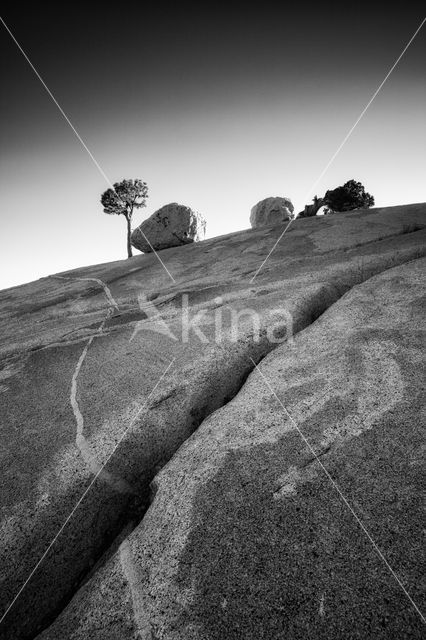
294	510
47	473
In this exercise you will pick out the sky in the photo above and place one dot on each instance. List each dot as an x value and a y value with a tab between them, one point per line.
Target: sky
214	107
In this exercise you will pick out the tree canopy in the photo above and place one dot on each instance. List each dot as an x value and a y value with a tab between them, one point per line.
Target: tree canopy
123	199
352	195
126	196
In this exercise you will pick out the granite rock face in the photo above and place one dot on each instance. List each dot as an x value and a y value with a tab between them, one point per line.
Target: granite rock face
154	487
272	519
171	226
271	212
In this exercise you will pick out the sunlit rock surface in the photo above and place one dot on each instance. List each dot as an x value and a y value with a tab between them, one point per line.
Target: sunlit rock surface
271	212
171	226
102	381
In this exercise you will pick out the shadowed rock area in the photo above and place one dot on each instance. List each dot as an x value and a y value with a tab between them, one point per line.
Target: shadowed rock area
246	536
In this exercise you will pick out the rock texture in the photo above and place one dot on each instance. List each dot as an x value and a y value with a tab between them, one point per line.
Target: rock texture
171	226
102	383
271	212
262	524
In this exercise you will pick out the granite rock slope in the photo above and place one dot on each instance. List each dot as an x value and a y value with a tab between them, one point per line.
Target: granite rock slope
295	510
99	389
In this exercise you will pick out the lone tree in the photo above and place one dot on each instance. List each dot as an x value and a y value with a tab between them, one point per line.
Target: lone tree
351	196
126	196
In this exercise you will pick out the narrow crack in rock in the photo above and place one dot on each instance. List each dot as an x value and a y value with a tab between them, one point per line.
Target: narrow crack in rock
99	281
321	607
127	562
87	453
130	572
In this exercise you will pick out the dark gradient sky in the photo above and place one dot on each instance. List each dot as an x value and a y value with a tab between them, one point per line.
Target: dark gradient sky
214	107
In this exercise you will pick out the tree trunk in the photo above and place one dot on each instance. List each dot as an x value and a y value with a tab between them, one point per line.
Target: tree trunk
312	209
129	232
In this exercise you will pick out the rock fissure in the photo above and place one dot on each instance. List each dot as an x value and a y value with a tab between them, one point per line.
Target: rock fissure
311	312
87	453
89	386
98	281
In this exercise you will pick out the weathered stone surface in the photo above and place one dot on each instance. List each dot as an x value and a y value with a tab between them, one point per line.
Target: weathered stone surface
271	212
171	226
87	370
271	519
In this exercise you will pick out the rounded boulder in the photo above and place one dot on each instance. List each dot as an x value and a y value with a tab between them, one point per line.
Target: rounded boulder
271	212
171	226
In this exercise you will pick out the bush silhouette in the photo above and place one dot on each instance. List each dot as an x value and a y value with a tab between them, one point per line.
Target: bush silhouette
352	195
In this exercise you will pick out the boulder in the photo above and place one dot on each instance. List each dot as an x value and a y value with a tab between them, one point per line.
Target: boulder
271	212
171	226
